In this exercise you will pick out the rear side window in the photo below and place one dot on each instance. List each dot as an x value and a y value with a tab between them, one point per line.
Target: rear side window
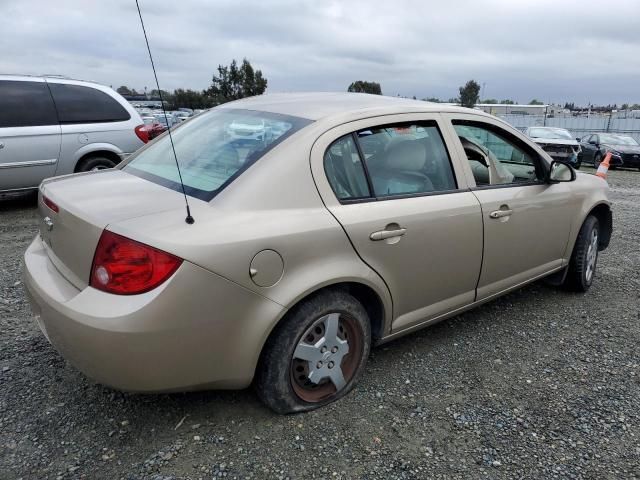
406	159
26	104
79	104
399	159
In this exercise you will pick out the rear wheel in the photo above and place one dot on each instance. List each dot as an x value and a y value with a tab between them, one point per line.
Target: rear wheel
91	164
582	267
316	355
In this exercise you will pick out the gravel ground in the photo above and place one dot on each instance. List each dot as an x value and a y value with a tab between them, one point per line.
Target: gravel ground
538	384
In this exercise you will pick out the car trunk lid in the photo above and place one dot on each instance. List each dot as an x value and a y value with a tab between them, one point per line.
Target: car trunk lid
85	205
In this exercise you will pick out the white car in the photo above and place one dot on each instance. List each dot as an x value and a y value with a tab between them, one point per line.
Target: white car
557	142
248	131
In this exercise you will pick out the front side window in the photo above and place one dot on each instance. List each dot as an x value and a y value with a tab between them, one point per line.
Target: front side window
26	104
506	159
212	149
398	159
79	104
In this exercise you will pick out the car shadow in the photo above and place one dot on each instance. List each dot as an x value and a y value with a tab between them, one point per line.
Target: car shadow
18	200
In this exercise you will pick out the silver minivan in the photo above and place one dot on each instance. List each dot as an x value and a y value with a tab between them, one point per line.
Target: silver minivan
54	126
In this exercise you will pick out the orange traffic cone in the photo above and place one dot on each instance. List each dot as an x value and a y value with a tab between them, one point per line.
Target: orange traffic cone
604	167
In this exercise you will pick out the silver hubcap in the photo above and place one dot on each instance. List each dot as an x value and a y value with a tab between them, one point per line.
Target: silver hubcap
592	255
98	167
325	355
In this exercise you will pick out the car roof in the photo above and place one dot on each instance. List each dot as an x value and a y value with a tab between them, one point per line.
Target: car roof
55	78
319	105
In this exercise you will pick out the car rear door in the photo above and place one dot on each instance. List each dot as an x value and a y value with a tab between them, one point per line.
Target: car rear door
29	133
403	201
526	221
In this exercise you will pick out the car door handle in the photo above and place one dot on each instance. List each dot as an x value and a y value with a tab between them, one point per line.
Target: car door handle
500	213
385	234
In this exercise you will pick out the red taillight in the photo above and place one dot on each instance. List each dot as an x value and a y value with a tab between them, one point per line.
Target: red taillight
142	132
126	267
47	201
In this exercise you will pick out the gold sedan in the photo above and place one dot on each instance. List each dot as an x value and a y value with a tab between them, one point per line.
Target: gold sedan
319	225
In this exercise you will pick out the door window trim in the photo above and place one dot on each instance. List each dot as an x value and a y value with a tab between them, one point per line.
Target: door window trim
372	196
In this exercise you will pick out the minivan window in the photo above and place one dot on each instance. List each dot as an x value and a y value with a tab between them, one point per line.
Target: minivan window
79	104
213	149
26	104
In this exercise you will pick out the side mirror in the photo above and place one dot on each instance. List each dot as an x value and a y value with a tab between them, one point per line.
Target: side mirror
593	142
561	172
578	139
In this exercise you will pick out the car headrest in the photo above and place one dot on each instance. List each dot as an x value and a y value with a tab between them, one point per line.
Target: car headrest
405	155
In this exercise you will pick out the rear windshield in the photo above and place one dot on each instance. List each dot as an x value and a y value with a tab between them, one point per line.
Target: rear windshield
213	149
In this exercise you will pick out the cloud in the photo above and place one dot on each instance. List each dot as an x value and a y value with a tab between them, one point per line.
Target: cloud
553	51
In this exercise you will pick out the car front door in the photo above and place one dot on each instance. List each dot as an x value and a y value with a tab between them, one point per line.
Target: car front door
29	134
404	203
590	147
526	220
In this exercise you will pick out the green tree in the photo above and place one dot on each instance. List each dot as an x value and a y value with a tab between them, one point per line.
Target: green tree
123	90
432	99
362	86
234	82
507	102
490	101
469	94
535	102
189	99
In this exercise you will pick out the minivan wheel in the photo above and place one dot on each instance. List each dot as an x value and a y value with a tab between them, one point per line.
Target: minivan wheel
316	355
582	267
95	163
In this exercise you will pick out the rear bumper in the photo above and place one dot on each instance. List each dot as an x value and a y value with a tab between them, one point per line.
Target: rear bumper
197	330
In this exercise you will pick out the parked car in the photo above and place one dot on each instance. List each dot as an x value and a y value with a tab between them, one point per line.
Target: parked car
304	251
154	127
249	131
166	119
55	126
557	142
625	151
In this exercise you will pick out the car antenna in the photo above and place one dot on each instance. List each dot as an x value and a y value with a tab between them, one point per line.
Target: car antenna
190	220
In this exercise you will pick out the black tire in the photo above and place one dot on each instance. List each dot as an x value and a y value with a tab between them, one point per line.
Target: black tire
597	158
95	163
578	165
582	267
275	383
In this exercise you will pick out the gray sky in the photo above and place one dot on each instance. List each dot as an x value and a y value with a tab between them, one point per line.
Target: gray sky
522	49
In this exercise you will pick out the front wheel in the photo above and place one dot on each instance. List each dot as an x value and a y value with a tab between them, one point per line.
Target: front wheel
582	267
316	355
597	159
